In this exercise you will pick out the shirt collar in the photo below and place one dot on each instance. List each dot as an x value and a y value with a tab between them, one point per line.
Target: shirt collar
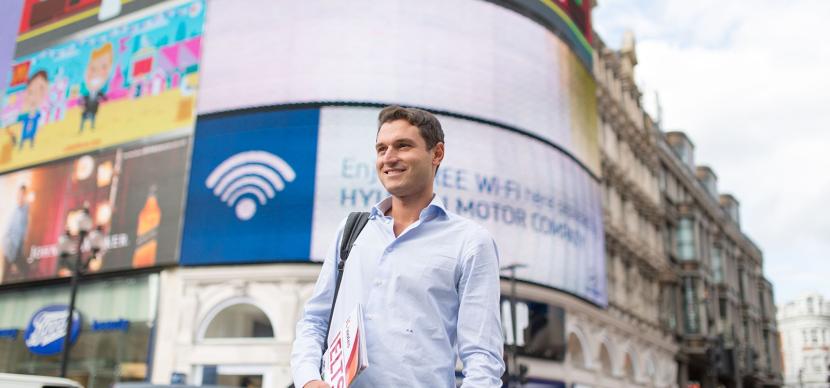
436	207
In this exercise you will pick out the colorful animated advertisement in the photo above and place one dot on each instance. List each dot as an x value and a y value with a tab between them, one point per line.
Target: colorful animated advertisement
135	195
136	78
41	23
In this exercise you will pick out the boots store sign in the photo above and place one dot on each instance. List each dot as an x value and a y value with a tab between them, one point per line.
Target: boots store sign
46	331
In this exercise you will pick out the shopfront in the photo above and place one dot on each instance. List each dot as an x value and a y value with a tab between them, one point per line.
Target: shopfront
117	319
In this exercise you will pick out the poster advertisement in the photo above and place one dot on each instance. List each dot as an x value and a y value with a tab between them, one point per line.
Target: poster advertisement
543	209
133	77
251	188
134	194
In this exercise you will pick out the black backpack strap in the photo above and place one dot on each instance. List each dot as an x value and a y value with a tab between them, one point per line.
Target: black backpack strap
354	225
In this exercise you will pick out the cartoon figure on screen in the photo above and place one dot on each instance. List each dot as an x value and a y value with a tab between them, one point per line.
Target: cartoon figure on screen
37	89
95	80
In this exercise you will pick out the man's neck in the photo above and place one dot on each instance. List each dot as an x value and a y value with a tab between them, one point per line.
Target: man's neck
406	210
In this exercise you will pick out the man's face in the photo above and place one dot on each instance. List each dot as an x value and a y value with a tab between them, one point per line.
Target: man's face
36	93
404	164
97	72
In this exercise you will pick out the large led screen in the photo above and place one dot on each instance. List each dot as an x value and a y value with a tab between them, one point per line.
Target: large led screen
251	187
543	209
126	79
255	172
135	194
474	58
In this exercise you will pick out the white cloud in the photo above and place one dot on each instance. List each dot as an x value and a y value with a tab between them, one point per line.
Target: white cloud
750	83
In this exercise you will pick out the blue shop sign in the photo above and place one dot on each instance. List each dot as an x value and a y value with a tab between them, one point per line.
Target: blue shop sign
9	333
45	333
117	325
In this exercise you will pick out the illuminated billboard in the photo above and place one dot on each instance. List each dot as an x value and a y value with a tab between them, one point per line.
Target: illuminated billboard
515	93
251	188
130	78
473	58
542	208
288	178
134	193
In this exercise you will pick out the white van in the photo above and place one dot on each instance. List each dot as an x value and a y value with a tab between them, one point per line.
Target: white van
8	380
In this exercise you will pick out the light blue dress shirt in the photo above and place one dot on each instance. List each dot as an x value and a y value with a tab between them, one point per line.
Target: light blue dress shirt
430	296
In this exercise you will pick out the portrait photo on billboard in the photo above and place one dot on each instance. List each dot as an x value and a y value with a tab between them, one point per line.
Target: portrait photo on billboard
251	187
129	79
134	194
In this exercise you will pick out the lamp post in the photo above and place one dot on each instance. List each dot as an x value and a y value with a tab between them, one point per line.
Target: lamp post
68	245
513	350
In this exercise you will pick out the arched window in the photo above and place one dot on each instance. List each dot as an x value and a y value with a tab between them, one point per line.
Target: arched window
651	370
605	361
241	320
628	368
575	353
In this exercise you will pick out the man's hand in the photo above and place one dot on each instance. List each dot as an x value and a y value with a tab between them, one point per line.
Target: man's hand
316	384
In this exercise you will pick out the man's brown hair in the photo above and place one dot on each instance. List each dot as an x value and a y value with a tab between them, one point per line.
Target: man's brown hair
428	125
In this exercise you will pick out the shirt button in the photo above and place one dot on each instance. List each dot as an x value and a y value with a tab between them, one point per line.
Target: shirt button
378	282
369	316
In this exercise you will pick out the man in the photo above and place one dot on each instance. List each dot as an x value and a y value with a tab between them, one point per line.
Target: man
15	236
96	77
428	279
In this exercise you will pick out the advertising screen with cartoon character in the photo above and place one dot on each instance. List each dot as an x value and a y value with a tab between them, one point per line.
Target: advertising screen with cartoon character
127	79
135	196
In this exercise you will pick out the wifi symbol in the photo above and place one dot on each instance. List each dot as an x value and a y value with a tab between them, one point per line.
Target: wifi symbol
249	174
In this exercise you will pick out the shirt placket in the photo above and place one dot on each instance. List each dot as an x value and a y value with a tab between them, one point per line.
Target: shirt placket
385	267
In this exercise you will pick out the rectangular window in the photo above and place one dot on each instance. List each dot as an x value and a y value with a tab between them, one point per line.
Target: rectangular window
723	304
669	311
690	306
686	239
717	265
540	329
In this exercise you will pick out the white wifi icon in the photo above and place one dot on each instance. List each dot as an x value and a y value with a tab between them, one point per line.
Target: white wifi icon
249	174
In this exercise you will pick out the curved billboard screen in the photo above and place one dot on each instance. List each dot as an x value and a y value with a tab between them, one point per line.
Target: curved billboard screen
290	94
471	58
544	211
306	169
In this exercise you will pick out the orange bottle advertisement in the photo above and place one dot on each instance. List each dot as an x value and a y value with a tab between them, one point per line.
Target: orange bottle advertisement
146	236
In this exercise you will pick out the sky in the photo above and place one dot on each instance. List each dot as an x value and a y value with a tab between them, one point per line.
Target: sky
749	82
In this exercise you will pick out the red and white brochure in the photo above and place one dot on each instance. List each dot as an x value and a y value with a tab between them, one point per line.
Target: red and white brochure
346	356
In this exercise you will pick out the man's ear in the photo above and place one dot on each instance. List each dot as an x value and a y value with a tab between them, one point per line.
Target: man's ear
437	154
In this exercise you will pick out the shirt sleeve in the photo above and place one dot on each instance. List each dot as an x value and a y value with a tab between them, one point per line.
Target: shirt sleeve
307	351
480	337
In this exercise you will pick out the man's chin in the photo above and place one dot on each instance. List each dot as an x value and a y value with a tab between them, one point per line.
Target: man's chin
394	189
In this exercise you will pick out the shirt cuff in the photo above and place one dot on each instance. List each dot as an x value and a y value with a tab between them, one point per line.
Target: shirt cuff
305	373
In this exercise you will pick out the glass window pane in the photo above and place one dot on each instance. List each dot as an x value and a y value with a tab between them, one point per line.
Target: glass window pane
240	321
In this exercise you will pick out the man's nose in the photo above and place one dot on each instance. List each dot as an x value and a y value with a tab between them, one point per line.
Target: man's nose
389	156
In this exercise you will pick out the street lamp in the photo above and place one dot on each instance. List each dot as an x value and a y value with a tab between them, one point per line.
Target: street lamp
513	369
73	244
